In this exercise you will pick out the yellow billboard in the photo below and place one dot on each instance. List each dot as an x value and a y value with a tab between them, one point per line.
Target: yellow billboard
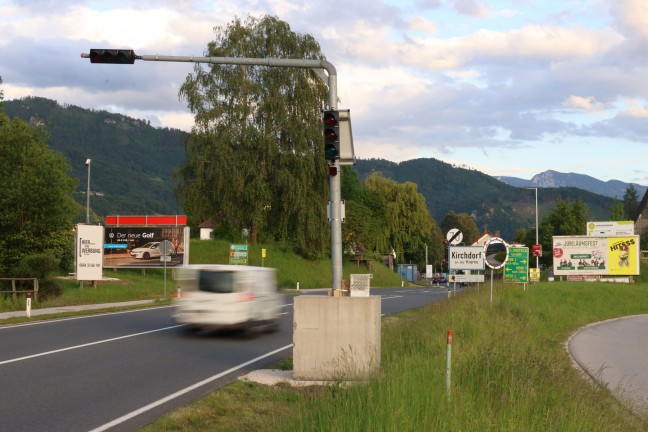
590	255
623	255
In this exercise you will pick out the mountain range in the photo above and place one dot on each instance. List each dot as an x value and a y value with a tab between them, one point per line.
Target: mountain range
552	179
494	205
133	164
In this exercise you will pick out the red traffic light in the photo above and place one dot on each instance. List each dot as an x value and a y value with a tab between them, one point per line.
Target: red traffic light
112	56
331	121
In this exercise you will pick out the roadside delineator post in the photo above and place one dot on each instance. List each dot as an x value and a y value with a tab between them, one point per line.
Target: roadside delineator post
448	361
28	312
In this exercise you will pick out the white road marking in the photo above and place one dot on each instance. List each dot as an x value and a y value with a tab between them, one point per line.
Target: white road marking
179	393
86	345
97	315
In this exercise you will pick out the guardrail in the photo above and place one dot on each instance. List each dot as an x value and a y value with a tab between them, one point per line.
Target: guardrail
16	291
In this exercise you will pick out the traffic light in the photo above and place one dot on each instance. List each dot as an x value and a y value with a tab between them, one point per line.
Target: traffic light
112	56
332	135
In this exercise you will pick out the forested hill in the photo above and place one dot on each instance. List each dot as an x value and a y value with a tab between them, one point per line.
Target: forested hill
132	162
495	206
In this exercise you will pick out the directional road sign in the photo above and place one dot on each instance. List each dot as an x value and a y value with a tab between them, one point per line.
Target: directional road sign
516	269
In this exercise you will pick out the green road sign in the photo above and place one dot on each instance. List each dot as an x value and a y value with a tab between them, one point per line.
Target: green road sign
238	247
516	269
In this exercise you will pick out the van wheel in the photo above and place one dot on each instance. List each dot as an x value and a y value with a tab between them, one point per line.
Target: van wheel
191	329
273	326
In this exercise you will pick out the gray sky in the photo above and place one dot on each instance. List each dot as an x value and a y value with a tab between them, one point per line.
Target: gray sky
508	87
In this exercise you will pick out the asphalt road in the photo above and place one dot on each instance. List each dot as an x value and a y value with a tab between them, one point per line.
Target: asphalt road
120	371
615	353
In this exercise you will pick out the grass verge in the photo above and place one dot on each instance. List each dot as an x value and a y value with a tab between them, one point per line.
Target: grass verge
510	372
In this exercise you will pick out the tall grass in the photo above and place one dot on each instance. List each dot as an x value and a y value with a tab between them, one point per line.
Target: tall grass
118	286
510	370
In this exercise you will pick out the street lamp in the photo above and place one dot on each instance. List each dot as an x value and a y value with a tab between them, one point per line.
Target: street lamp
536	217
88	162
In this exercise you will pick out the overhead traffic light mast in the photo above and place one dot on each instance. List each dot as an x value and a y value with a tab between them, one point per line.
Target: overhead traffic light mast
120	56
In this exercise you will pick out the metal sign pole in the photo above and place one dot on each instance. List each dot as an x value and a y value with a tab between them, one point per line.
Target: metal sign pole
491	291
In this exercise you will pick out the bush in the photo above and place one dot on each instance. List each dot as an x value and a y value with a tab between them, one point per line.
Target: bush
40	266
49	289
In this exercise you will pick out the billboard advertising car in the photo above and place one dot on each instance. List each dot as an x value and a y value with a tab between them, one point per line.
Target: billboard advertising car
603	256
140	246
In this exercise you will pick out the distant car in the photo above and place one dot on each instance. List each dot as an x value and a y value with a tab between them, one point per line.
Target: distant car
147	251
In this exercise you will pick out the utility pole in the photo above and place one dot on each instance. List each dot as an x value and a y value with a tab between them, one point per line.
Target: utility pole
88	163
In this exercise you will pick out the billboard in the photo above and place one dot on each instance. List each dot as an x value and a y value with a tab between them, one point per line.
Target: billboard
602	256
139	246
610	228
88	255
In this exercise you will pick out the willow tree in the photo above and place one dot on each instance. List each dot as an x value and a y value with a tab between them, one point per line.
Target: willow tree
255	157
407	225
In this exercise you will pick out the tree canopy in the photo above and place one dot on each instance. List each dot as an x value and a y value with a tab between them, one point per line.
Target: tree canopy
464	223
255	157
36	204
405	223
630	202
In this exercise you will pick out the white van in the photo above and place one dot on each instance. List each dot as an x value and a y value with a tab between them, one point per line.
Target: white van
227	297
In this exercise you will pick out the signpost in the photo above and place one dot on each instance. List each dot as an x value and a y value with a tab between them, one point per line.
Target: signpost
516	269
238	254
466	258
534	275
496	254
166	249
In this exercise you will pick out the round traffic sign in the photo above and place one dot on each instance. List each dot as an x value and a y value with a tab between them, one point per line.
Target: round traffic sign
166	248
496	252
454	236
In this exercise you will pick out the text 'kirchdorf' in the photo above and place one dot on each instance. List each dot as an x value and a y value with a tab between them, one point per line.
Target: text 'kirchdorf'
466	255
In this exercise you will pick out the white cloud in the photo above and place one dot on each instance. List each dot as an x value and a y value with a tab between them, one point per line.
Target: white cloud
635	109
473	8
585	103
631	17
420	24
529	42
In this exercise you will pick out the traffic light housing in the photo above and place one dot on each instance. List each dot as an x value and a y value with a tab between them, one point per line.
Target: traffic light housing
332	135
112	56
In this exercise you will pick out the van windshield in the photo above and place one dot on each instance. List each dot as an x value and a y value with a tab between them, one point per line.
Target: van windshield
216	281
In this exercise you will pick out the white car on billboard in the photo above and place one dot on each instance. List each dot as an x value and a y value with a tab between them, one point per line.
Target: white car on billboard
147	251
